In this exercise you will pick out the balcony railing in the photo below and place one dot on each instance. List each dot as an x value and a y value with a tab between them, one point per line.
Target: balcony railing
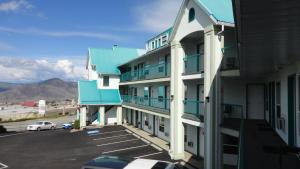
230	58
160	102
149	72
232	111
194	107
193	64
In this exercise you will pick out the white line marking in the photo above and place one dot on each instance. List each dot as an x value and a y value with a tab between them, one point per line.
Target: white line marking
146	141
116	142
108	132
148	155
13	134
112	137
106	152
2	166
156	147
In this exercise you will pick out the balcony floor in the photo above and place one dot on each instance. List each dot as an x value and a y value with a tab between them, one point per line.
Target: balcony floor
232	123
262	147
154	109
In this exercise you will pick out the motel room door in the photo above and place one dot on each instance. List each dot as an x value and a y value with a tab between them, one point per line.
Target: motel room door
255	101
297	125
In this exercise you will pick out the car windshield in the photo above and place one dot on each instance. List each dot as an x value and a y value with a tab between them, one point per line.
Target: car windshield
160	165
39	123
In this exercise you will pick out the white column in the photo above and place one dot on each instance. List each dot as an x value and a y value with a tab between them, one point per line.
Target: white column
82	117
213	44
102	115
177	94
78	114
119	115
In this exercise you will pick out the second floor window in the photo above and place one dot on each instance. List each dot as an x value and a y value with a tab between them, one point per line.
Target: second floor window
191	14
105	80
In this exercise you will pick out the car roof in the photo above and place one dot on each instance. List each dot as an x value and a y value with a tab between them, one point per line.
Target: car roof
109	162
143	163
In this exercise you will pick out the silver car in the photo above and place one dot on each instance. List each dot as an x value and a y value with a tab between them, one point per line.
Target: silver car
41	125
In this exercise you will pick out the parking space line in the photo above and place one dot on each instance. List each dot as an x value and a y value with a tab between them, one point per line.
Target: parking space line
2	166
124	149
108	132
13	134
149	155
122	135
116	142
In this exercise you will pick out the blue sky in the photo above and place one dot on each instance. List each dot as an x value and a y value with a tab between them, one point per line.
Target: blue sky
41	39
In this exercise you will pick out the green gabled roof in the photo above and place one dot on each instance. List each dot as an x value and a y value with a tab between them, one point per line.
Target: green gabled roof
220	10
107	60
89	94
169	31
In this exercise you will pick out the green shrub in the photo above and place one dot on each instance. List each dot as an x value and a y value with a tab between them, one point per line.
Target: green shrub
2	129
76	124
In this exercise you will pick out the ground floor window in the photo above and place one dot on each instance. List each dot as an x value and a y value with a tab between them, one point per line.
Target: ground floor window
146	119
161	124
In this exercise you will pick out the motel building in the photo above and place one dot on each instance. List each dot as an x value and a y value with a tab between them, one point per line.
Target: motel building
195	88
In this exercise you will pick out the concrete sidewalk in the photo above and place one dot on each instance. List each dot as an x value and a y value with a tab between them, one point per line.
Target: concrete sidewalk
189	159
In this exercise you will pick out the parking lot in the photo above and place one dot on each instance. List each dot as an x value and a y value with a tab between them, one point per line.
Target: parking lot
62	149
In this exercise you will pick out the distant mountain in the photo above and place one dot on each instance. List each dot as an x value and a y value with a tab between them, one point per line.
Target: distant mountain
51	89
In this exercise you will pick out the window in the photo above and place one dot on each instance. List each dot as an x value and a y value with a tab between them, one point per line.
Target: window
159	42
152	45
105	80
164	39
278	97
161	124
161	93
146	119
191	14
93	67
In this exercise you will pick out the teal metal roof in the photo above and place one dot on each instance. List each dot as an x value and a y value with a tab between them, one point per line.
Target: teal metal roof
107	60
221	10
89	94
169	31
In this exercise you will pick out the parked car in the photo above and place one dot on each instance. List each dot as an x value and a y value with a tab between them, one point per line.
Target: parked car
67	126
41	125
115	162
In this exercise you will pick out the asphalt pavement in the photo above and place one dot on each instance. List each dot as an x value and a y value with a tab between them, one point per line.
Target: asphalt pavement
62	149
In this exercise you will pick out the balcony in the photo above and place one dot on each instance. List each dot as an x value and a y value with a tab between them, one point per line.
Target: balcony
230	58
159	104
232	116
149	72
194	110
192	64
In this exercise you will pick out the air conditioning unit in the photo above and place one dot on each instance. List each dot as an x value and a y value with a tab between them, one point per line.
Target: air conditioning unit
149	127
167	134
281	123
190	144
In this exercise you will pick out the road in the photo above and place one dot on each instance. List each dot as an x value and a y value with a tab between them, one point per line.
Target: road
21	126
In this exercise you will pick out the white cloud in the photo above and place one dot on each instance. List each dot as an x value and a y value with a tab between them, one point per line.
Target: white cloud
15	5
5	46
26	70
156	15
35	31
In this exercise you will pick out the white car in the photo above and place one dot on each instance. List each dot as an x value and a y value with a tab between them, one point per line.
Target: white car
41	125
115	162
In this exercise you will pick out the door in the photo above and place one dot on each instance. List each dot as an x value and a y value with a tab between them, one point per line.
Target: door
291	109
298	110
136	119
255	102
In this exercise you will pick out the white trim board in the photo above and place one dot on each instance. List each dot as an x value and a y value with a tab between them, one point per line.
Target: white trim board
166	79
193	123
